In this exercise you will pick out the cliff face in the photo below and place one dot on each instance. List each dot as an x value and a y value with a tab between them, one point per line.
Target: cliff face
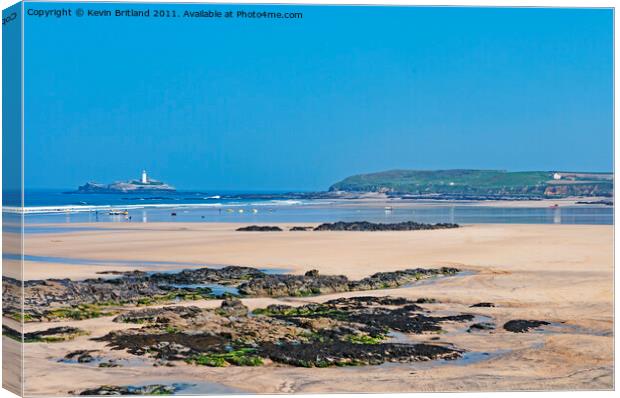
480	183
592	189
125	187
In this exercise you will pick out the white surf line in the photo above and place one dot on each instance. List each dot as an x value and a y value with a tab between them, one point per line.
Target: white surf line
91	208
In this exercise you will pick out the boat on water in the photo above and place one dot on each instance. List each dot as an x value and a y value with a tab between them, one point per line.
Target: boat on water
118	213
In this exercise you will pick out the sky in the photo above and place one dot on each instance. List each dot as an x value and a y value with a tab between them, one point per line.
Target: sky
298	104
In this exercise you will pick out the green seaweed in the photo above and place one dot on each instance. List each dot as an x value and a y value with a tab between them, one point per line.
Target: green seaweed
20	316
208	360
184	295
171	329
364	339
79	312
239	357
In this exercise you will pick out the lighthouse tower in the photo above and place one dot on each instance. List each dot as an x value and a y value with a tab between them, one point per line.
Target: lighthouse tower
145	179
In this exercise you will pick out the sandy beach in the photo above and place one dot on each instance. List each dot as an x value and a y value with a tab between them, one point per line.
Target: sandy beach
559	273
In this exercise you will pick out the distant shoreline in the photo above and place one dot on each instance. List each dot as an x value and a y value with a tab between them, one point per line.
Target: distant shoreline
284	200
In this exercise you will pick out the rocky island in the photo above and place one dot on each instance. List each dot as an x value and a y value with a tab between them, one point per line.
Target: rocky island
145	184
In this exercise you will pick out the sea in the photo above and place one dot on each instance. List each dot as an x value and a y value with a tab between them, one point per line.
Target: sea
59	207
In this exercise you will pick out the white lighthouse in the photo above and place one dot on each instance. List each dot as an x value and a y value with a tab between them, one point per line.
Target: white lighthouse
144	179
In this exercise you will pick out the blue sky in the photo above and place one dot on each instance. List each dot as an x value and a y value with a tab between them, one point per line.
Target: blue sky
299	104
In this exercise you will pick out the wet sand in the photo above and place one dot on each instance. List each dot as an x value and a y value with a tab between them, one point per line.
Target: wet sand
557	273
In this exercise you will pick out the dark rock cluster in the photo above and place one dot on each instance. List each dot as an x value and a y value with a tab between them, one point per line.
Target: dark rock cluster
300	228
80	356
377	315
340	353
522	325
232	307
64	298
158	315
369	226
481	326
151	389
260	228
230	275
294	285
346	331
312	283
169	346
61	333
354	226
340	332
482	305
42	297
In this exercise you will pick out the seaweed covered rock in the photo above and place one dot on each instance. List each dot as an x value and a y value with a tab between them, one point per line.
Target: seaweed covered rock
42	296
300	228
232	307
339	332
260	228
522	325
352	354
51	335
281	285
80	356
205	331
151	389
364	301
164	345
369	226
312	283
54	299
391	279
230	275
163	315
481	326
367	315
482	305
65	298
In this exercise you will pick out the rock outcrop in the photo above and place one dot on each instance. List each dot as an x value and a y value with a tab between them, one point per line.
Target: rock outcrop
344	331
260	228
368	226
312	283
64	298
522	325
